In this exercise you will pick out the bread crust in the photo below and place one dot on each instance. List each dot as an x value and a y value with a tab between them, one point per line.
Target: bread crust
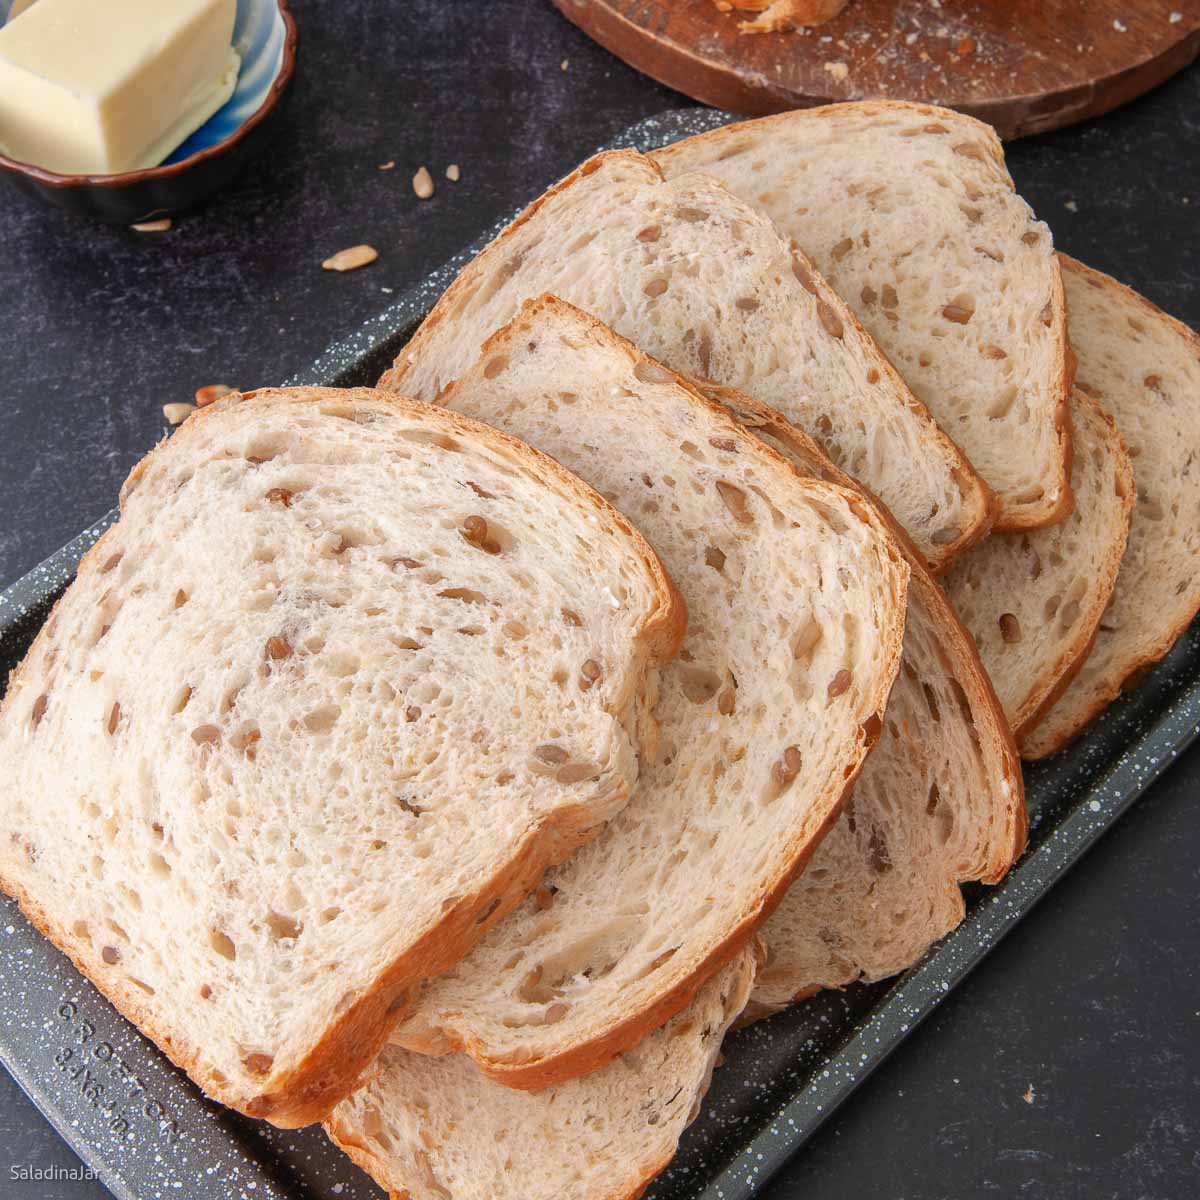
1056	504
620	1035
329	1071
978	503
1076	655
1033	746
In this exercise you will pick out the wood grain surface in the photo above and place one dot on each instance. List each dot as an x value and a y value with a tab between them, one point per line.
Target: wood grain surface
1023	65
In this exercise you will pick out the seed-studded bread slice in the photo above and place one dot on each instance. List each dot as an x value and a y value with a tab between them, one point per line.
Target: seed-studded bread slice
1035	600
910	213
308	722
433	1128
1144	368
704	283
795	596
940	800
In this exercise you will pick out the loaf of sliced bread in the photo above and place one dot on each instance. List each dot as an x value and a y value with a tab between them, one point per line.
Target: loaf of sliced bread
1143	367
939	802
435	1128
705	284
347	674
1034	600
795	595
910	213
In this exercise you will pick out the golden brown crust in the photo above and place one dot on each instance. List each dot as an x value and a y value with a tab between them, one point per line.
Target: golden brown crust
1028	516
603	1047
1035	708
308	1091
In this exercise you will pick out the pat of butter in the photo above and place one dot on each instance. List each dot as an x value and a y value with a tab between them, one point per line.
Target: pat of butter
100	87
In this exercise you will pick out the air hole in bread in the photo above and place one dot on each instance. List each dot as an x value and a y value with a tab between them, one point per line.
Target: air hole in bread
699	685
878	854
778	520
230	699
1002	404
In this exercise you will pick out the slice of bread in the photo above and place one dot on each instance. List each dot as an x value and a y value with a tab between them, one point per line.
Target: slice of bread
705	284
795	595
1144	368
939	802
309	721
435	1128
1035	600
910	213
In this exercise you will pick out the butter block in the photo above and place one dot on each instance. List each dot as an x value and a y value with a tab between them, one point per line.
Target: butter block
100	87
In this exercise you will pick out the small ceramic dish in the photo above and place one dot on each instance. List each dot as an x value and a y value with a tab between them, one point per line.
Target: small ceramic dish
265	36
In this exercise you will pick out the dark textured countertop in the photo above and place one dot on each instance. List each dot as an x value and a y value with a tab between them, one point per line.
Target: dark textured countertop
1068	1066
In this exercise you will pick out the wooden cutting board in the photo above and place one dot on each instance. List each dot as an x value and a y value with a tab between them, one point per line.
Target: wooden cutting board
1024	65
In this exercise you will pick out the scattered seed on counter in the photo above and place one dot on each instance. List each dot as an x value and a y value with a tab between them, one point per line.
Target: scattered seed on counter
159	226
423	184
566	62
453	173
176	414
351	259
390	165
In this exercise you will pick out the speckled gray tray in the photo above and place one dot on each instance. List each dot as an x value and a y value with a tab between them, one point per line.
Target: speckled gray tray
150	1134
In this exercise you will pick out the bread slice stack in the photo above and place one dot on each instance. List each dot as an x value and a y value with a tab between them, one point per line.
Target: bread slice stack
435	1128
911	215
795	594
1143	368
369	767
706	284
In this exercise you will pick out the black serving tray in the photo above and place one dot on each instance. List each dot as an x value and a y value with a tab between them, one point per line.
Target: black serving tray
149	1133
